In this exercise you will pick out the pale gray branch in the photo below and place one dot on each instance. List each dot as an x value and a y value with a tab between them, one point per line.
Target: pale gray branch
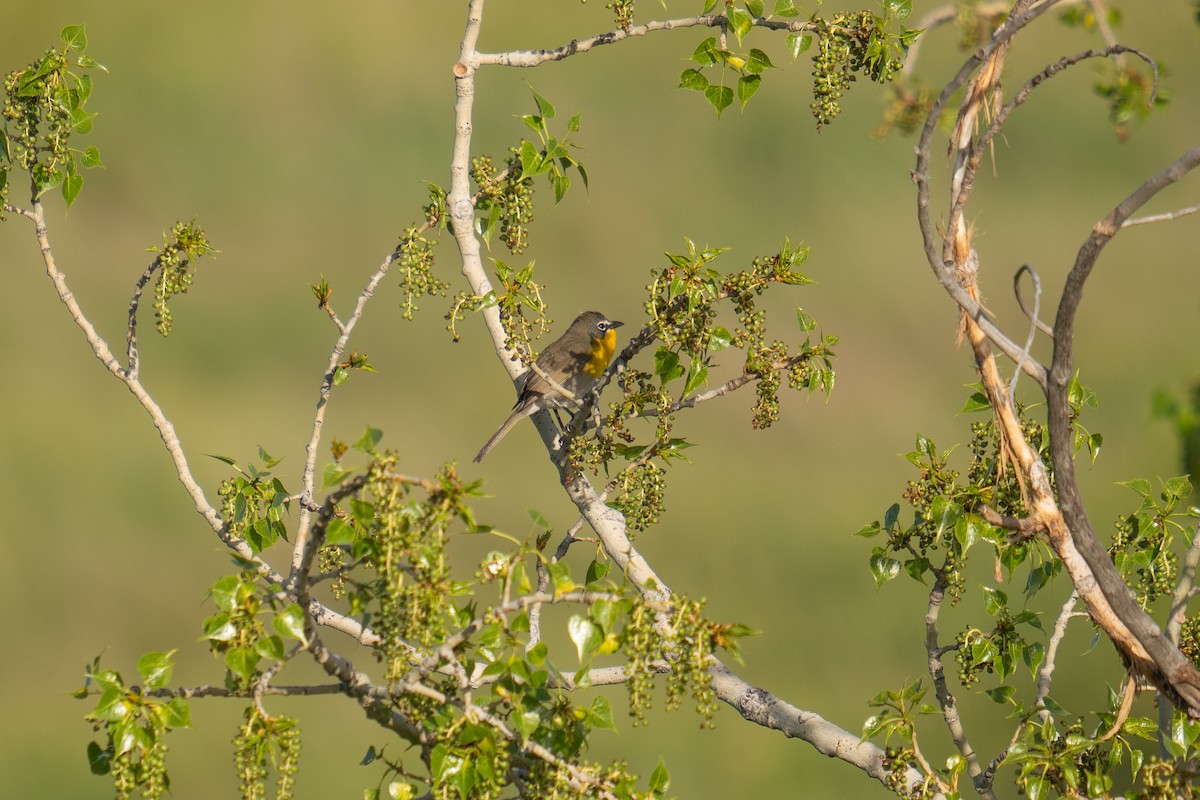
1164	217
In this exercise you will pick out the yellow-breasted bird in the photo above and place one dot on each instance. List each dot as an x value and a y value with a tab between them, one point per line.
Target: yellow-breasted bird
574	361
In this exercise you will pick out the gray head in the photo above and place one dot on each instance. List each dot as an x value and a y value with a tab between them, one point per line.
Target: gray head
594	323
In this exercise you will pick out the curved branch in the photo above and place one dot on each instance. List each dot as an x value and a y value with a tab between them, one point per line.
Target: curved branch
943	270
1031	315
1164	665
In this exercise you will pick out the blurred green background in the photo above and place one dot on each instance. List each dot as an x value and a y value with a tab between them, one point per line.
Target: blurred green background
298	136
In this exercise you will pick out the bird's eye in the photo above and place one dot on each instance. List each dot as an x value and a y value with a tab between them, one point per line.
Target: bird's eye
603	325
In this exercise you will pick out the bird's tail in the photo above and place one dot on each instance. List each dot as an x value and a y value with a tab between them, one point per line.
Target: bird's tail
504	428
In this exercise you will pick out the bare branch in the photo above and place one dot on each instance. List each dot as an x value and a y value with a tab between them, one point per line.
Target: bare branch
1027	525
1037	285
1165	217
1152	654
190	692
533	58
1034	324
1045	672
945	699
943	270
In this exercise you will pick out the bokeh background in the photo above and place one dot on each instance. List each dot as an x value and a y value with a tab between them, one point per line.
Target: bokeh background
298	136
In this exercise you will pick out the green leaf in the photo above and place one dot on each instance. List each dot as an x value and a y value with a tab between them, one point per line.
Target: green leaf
785	8
720	97
946	514
891	516
883	568
1039	576
1033	655
225	592
798	43
75	37
112	705
574	122
869	530
916	568
290	623
270	647
596	571
560	183
545	108
967	531
755	7
241	661
71	187
976	402
1139	485
758	61
900	9
692	78
706	52
91	158
87	62
339	533
697	377
155	669
660	779
994	600
368	441
746	87
81	121
740	22
1054	708
1001	694
666	365
531	160
1036	788
719	338
600	715
534	123
586	635
1176	489
98	761
560	577
332	475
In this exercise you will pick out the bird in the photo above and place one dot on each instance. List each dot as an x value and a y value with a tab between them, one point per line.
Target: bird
573	361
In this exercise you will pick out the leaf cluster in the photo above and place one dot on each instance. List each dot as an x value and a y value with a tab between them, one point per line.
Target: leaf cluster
45	104
135	724
266	744
1143	546
174	268
254	503
237	633
847	43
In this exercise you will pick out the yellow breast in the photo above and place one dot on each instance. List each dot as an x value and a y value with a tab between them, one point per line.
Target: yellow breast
602	353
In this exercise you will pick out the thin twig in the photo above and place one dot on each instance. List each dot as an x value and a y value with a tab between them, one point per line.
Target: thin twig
1165	217
1030	315
941	690
1034	322
1045	673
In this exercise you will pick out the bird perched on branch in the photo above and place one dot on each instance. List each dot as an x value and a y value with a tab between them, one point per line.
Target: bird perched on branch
565	371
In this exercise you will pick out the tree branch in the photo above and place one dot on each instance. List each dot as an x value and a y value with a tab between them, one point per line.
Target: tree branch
945	699
1154	656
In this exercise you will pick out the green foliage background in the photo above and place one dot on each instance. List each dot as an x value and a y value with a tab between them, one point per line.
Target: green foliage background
299	136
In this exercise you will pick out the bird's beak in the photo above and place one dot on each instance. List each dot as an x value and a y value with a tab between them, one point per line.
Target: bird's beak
615	324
